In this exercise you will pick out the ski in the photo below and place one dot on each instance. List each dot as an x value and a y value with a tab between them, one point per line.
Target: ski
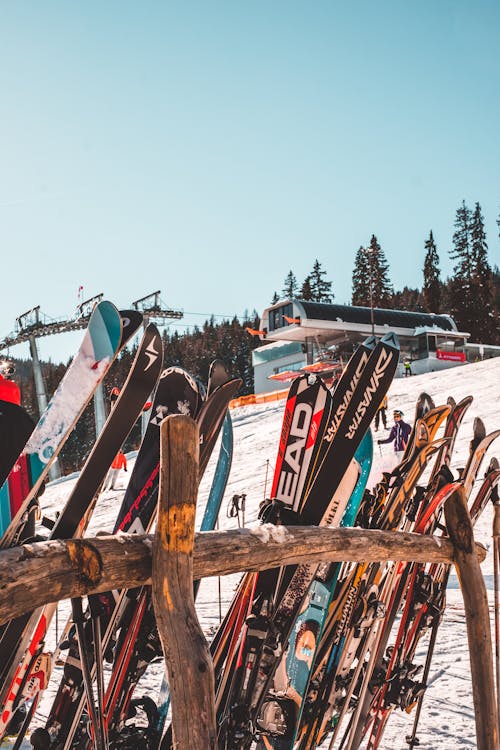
176	392
24	634
99	347
270	624
365	582
305	417
423	610
125	611
136	652
16	427
282	708
408	578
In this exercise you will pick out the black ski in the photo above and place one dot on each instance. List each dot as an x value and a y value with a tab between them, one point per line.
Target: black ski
21	638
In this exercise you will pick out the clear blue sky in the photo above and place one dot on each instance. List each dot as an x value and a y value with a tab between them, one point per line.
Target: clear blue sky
206	148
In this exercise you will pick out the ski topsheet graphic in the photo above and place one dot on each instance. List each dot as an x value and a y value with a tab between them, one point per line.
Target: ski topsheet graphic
345	419
100	345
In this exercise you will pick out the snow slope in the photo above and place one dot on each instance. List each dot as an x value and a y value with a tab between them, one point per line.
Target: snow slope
448	720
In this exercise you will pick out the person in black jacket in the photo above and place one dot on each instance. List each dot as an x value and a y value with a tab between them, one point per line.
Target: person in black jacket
399	434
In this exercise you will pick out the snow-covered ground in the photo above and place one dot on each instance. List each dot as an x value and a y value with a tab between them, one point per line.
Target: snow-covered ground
448	718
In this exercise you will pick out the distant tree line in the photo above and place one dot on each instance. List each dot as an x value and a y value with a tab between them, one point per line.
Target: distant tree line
471	295
313	288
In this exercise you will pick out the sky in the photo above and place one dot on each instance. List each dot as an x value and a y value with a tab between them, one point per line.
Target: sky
205	149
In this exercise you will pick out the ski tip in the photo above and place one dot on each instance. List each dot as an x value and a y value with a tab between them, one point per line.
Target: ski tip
390	339
218	374
424	404
466	400
370	342
131	322
152	330
105	329
493	465
479	429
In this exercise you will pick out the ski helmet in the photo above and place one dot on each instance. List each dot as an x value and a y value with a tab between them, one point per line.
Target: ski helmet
7	368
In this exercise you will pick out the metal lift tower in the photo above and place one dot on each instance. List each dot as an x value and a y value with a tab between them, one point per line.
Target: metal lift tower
33	324
151	306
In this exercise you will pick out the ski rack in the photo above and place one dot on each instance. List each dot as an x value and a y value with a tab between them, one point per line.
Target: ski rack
82	566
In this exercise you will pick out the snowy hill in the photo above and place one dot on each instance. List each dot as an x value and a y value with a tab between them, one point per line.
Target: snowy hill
447	721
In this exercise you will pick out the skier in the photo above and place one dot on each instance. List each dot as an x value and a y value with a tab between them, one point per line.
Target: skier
381	412
407	366
120	462
399	434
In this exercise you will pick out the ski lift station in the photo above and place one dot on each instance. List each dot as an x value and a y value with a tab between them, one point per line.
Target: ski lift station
318	337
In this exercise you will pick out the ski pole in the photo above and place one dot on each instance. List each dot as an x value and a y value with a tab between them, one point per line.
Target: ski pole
496	565
79	619
243	503
219	586
265	480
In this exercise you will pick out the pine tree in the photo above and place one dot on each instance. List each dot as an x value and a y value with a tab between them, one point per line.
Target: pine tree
432	281
275	298
471	289
382	287
321	290
290	288
479	246
462	243
306	290
482	280
371	284
461	286
361	279
496	288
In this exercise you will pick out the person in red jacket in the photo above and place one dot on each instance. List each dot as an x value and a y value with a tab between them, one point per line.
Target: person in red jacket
119	462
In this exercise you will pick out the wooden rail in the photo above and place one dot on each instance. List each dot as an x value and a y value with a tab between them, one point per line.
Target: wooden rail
33	574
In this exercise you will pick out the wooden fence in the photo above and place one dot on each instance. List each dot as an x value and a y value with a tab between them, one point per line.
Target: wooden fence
35	574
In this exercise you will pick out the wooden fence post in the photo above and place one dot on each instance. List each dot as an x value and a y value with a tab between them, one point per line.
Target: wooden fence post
477	618
189	664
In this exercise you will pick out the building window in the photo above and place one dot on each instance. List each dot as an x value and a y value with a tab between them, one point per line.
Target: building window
276	319
422	352
294	367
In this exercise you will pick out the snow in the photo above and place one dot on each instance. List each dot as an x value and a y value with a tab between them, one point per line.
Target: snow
267	531
447	720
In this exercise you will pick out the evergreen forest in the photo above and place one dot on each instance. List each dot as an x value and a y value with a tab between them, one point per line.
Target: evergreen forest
471	295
